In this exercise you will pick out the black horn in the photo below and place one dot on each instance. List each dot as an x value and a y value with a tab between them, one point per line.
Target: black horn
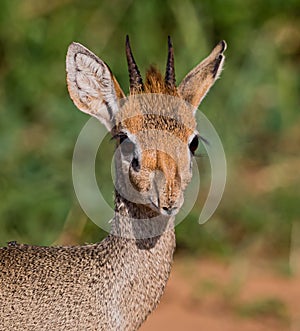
135	78
170	72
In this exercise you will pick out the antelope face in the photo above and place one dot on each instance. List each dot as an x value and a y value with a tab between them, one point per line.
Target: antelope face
154	127
157	138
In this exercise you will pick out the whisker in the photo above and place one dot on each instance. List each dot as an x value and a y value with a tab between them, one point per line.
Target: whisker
200	155
204	140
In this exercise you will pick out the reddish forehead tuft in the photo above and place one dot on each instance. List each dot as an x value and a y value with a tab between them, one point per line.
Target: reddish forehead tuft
155	83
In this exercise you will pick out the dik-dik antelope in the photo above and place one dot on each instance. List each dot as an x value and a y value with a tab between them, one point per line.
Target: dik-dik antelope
116	283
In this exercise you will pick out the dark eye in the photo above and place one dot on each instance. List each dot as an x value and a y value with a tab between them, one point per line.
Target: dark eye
194	144
135	164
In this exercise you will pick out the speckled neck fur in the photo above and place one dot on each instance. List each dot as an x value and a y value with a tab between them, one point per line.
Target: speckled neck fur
112	285
138	221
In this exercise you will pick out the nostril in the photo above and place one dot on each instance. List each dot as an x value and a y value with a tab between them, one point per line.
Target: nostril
169	211
135	164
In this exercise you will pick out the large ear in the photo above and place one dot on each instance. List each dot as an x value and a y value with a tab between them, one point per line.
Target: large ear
197	82
91	85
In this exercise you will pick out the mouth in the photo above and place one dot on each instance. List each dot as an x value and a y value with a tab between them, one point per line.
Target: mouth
171	211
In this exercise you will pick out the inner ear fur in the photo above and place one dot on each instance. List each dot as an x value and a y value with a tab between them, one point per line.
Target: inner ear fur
92	86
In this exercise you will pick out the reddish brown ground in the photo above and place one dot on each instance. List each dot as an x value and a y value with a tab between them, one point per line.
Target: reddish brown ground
210	296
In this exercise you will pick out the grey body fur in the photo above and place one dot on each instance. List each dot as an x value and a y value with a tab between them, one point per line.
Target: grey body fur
112	285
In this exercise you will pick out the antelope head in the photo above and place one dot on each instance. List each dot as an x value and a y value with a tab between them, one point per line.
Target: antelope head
154	126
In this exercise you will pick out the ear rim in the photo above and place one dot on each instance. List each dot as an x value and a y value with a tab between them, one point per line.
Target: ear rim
74	49
216	56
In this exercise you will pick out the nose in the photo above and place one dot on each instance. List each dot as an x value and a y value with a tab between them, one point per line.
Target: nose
169	210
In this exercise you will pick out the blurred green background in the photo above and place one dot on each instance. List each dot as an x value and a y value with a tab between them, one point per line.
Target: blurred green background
254	108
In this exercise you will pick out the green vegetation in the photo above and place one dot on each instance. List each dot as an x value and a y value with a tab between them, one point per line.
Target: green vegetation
254	108
272	307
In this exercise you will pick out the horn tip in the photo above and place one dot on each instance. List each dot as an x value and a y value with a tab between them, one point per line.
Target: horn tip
170	44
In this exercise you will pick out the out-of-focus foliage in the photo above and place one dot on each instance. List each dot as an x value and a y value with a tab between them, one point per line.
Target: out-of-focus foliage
254	107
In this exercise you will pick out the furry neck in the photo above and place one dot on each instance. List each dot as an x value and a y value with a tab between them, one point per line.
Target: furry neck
138	221
134	220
